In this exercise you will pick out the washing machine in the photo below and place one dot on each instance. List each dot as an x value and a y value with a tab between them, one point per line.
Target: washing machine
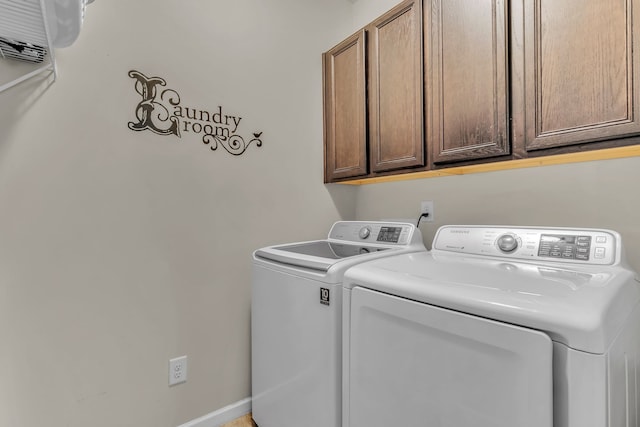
494	327
296	322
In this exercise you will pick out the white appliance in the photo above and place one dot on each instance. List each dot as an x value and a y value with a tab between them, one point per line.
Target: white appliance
495	327
296	319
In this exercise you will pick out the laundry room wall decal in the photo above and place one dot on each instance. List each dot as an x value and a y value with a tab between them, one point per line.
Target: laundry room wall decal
160	111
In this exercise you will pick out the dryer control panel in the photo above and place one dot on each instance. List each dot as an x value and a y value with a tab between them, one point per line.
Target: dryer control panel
568	245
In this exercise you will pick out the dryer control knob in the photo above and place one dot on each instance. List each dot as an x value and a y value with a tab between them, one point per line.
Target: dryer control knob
365	232
507	243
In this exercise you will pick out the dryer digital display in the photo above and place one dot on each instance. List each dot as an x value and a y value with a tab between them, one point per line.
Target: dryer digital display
565	246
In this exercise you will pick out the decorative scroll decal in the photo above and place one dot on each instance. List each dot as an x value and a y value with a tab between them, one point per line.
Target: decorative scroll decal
160	111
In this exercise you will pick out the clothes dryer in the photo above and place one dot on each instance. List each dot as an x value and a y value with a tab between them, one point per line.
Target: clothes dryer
495	327
296	321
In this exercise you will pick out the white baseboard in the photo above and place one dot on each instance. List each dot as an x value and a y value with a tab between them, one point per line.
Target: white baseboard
222	415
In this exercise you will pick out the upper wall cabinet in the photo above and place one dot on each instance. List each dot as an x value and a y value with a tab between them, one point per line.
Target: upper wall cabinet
580	62
345	109
373	105
467	83
500	80
395	89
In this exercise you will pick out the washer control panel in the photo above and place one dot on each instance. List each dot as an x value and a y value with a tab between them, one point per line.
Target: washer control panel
387	233
585	246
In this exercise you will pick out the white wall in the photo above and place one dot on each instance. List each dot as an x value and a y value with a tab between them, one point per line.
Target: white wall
365	11
121	249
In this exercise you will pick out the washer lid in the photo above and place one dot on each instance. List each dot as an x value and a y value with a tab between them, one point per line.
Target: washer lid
348	243
583	308
316	255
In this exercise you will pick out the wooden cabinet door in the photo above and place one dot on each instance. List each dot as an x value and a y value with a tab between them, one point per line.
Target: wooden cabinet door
466	73
345	125
395	88
581	71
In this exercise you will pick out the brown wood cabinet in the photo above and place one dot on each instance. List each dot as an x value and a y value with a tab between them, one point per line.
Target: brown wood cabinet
569	78
373	105
467	81
482	81
345	123
395	89
579	65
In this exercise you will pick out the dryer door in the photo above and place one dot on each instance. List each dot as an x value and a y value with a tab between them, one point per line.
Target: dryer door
416	365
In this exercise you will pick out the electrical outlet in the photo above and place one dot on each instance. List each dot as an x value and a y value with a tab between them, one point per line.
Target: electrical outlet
427	207
178	370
